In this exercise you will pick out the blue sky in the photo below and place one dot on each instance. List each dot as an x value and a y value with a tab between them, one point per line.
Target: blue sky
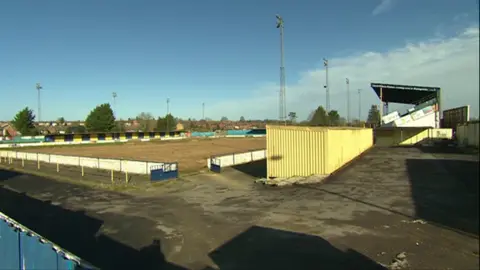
226	54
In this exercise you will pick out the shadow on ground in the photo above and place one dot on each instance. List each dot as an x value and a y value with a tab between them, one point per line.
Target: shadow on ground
267	248
445	191
257	169
77	232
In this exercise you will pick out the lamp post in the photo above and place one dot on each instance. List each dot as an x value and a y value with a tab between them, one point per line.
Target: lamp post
203	111
282	99
348	100
39	87
327	87
114	95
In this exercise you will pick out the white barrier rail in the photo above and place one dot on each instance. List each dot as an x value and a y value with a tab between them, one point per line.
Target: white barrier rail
119	165
237	158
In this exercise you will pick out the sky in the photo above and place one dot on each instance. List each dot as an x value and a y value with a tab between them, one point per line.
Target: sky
226	54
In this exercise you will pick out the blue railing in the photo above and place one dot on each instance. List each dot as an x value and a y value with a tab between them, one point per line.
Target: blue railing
21	248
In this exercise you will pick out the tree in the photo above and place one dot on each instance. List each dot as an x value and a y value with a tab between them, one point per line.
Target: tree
333	118
100	119
292	116
61	121
167	123
319	118
170	122
24	122
223	119
145	121
75	129
374	115
242	119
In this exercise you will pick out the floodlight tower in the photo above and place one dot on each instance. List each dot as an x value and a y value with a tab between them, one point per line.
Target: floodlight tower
114	95
282	98
39	87
326	86
203	111
348	99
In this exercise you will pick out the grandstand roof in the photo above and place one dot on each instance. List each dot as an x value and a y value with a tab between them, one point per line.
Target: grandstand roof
405	94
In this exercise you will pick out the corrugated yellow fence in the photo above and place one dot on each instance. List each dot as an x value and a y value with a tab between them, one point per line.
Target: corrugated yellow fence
304	151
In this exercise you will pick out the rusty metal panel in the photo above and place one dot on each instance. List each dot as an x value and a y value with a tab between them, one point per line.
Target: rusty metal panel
295	151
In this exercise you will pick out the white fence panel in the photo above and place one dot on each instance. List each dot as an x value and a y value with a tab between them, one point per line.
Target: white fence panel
152	164
242	158
258	155
131	166
88	162
31	156
43	158
109	164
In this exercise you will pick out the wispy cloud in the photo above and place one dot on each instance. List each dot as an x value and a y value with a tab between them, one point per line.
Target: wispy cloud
450	63
384	6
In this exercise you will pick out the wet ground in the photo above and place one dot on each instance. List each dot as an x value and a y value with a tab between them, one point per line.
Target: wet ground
423	202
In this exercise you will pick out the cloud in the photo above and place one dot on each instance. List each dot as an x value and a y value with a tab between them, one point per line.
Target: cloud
384	6
450	63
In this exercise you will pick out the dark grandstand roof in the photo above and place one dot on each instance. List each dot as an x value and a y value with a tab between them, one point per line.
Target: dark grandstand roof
405	94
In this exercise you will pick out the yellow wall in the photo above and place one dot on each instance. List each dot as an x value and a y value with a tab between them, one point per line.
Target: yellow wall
409	135
77	138
93	137
304	151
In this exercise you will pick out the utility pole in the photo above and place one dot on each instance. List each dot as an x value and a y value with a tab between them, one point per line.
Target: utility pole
348	100
327	88
39	87
359	105
168	115
282	98
203	111
114	95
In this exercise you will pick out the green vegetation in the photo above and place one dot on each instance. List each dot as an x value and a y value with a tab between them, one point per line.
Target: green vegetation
100	119
24	122
374	116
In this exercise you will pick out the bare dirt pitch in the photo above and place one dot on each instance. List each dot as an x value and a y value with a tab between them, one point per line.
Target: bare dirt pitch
191	154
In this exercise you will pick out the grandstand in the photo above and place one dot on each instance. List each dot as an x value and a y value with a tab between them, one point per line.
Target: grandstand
425	105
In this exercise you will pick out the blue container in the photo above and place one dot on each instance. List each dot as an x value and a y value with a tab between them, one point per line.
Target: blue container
85	137
151	135
141	135
101	136
128	135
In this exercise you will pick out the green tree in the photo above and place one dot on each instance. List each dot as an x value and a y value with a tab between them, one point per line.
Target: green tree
223	119
319	118
170	122
167	123
24	122
374	116
75	129
333	118
100	119
61	121
242	119
292	116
